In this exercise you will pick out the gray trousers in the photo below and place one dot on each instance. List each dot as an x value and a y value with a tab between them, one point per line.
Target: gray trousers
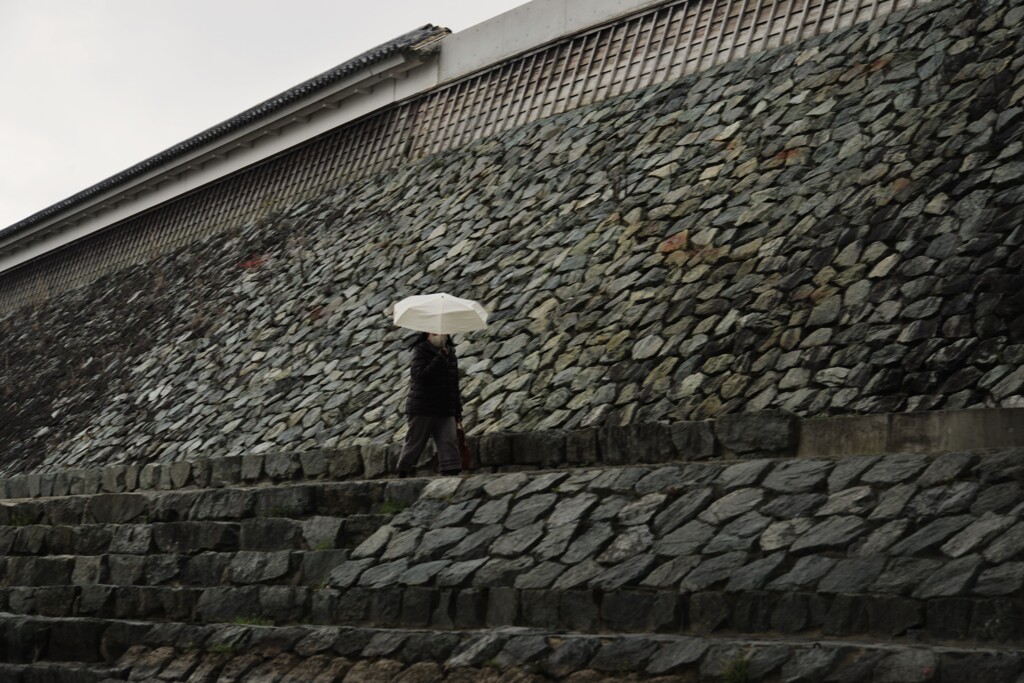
423	427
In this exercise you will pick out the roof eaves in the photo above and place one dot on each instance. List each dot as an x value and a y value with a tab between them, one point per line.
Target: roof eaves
422	39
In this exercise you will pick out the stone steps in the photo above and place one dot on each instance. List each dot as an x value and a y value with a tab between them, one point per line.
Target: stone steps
328	499
196	653
68	672
289	567
264	534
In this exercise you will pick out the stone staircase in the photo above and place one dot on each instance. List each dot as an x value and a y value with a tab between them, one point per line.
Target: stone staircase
671	564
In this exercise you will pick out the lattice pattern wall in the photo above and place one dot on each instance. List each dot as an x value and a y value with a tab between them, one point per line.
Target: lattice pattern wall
657	46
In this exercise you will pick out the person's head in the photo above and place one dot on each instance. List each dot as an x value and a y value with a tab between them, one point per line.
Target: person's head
437	339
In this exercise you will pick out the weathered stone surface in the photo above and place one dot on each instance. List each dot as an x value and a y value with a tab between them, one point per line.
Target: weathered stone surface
764	431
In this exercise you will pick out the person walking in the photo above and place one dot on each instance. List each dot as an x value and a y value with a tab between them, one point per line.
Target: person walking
434	405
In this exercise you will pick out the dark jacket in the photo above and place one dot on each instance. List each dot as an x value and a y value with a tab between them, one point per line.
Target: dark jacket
434	389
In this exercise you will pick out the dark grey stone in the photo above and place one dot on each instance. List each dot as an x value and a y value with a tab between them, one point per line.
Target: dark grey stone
767	431
664	480
540	577
756	574
669	574
947	467
571	656
627	544
798	476
588	544
907	666
498	572
528	510
712	571
1006	579
805	573
686	540
627	573
944	500
516	543
797	505
847	471
555	542
677	656
740	534
1007	546
732	505
578	575
683	509
423	573
894	469
809	665
572	510
852	575
642	510
744	474
931	535
475	545
629	653
853	501
951	579
693	440
436	542
384	574
458	573
833	533
904	574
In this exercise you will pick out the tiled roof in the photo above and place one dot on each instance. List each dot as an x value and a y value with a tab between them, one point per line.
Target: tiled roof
261	110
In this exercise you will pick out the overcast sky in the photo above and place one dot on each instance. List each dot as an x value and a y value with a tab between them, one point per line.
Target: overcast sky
91	87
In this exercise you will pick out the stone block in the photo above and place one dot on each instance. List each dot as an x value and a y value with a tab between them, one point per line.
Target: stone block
649	442
545	448
113	478
283	603
495	450
385	607
502	607
847	615
629	653
769	431
708	612
352	606
891	616
640	611
345	463
442	616
226	471
582	447
996	620
417	607
314	464
270	534
185	538
252	467
375	460
280	466
470	608
693	440
578	610
570	656
752	611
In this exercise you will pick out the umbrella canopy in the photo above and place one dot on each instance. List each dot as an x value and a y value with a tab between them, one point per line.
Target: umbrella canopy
441	313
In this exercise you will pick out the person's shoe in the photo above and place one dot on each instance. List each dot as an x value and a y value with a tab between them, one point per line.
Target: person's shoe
450	473
404	474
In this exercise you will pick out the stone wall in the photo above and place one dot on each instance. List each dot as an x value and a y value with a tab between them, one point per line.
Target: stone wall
827	228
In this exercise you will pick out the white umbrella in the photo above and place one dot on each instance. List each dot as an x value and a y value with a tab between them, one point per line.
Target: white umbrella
440	313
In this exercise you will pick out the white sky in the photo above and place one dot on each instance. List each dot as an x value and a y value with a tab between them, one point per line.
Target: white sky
91	87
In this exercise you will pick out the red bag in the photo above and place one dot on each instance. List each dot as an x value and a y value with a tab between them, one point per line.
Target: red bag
465	455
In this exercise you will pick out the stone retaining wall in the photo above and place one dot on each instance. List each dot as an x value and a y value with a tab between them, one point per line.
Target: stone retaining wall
826	228
194	653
